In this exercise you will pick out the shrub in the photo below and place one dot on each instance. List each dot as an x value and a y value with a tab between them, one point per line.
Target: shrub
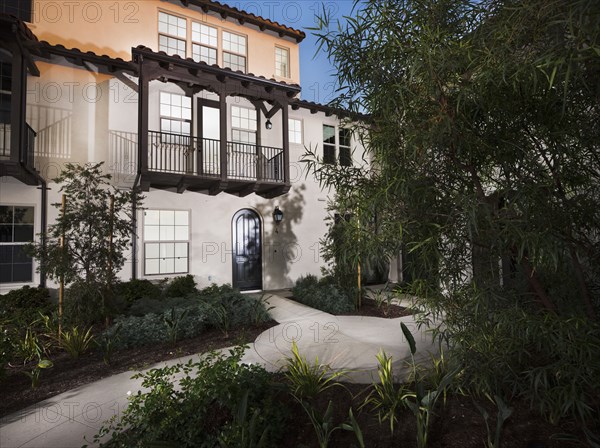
201	409
181	286
324	296
76	342
134	331
22	306
137	289
85	304
146	305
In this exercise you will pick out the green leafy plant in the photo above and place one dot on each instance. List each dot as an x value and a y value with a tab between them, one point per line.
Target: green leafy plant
504	412
136	289
422	402
203	406
76	342
181	286
354	427
173	321
106	343
245	434
324	296
323	424
35	373
386	398
308	380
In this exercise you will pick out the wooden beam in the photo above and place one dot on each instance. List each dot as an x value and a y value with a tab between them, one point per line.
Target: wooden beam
143	88
223	135
286	144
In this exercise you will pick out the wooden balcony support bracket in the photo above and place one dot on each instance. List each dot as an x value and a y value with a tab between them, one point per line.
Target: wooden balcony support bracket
182	185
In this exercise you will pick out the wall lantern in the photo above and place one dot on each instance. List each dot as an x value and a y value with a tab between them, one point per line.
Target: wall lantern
277	217
269	125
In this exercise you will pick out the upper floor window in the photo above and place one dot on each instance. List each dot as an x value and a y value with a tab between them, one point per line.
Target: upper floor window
295	130
243	125
282	62
328	144
345	149
234	51
341	144
166	241
175	114
204	43
172	34
16	230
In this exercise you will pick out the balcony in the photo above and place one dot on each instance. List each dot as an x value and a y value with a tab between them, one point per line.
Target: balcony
18	163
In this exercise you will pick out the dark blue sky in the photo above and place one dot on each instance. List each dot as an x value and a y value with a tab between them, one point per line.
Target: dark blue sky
315	73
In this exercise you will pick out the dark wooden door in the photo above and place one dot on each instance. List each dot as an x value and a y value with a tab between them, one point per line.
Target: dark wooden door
247	250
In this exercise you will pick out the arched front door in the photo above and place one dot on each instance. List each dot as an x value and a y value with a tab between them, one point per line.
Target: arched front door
247	250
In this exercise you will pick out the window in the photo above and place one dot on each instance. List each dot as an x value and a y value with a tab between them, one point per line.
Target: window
345	149
295	131
243	125
234	51
16	230
172	34
175	113
328	144
166	242
204	43
282	62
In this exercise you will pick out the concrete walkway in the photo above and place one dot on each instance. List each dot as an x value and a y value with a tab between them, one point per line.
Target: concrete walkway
342	342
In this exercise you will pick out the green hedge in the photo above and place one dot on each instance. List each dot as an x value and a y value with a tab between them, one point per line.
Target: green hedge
322	295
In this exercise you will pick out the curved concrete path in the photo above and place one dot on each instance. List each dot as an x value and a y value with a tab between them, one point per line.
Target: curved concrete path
342	342
348	343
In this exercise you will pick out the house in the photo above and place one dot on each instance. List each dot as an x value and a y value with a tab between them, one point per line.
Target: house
194	102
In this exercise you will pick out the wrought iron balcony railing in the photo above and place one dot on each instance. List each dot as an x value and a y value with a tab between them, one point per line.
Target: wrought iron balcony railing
184	154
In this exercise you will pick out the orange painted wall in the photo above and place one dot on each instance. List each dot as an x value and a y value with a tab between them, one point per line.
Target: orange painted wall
114	27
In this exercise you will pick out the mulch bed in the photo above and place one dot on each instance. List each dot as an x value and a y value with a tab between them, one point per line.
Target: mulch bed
67	373
456	424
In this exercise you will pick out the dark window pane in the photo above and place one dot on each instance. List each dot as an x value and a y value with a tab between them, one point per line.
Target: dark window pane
6	254
345	157
328	134
328	154
5	273
6	214
19	8
23	233
345	135
6	233
23	215
19	255
22	272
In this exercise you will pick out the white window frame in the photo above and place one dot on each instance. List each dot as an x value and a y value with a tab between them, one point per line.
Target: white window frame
163	242
169	36
20	243
249	129
173	118
202	44
340	146
231	52
280	51
296	131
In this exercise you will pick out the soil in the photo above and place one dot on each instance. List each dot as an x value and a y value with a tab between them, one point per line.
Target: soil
455	424
67	373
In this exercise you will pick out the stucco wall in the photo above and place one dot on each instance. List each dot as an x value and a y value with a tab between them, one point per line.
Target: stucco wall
113	28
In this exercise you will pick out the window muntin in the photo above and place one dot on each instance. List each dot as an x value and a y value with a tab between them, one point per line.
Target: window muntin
175	113
282	62
172	34
234	62
295	131
243	125
345	152
328	144
200	53
234	51
16	230
204	43
166	242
